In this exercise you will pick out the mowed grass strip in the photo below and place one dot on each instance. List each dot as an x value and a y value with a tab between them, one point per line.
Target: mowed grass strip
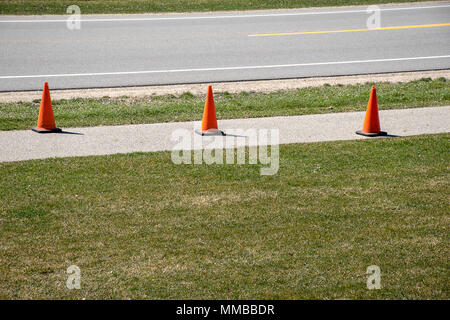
143	6
186	107
139	226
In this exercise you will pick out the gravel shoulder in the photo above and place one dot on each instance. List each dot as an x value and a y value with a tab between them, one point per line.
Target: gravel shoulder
266	86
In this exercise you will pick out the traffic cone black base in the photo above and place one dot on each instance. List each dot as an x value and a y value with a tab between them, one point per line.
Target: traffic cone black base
375	134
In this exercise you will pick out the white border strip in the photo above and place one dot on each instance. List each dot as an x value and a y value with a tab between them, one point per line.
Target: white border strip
221	17
220	69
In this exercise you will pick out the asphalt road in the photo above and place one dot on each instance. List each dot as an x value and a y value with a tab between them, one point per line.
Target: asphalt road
130	50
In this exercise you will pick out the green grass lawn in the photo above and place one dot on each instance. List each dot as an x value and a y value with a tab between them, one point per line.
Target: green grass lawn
325	99
139	226
142	6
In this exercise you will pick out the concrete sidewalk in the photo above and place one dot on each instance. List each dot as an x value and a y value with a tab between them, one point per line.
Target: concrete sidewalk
26	145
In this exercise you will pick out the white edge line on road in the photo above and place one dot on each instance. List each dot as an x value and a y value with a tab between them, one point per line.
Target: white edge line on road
220	17
220	68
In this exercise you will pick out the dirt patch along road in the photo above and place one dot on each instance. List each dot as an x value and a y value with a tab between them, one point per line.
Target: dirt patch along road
231	87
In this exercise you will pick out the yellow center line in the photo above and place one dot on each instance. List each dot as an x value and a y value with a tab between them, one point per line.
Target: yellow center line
352	30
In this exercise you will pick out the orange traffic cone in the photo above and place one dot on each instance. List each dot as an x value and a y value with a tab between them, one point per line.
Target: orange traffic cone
371	127
209	121
46	120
